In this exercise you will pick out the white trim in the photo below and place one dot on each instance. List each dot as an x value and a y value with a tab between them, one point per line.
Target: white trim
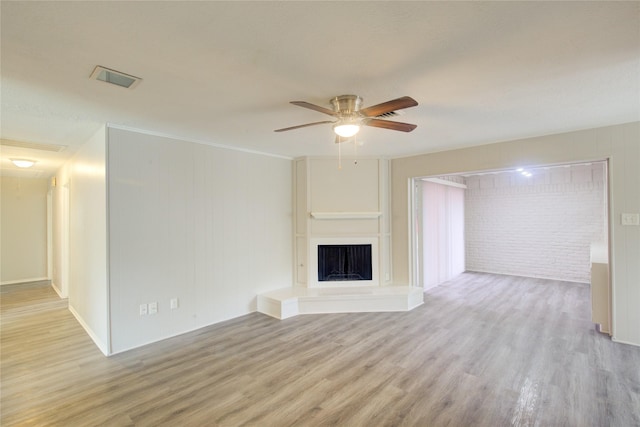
557	279
412	250
107	179
625	342
312	273
346	215
611	248
195	141
27	280
502	141
50	231
444	182
154	340
58	291
101	346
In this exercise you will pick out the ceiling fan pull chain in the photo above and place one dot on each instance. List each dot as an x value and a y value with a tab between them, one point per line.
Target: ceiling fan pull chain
355	146
339	153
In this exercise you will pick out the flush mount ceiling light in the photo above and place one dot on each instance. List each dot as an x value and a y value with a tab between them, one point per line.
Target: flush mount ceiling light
23	163
114	77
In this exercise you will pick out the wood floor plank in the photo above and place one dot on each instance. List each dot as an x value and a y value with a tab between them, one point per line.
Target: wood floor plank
484	350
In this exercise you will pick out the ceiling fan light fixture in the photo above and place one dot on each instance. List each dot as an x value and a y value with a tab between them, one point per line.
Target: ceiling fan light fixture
346	129
350	117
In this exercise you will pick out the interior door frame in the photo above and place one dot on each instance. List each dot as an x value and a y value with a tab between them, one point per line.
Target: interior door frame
415	258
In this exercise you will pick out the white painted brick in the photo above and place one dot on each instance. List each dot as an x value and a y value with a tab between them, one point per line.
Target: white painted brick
539	227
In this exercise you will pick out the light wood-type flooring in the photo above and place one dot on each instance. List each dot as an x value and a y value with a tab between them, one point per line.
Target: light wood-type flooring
484	350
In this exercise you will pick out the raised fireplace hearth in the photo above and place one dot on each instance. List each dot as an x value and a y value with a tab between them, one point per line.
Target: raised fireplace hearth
289	302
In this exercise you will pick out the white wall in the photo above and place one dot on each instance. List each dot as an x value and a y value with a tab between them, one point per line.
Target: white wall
538	226
23	229
621	144
88	240
209	226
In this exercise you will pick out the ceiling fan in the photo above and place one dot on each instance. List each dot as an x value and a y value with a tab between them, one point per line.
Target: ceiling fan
350	117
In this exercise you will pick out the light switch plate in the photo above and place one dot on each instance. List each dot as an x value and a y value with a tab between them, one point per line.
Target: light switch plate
630	219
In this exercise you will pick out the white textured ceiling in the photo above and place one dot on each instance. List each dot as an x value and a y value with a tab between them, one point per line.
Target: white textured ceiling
224	72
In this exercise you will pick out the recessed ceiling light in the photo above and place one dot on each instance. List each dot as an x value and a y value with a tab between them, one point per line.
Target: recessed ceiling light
23	163
117	78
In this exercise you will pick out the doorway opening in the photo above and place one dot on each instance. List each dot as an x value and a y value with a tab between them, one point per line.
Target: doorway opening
540	221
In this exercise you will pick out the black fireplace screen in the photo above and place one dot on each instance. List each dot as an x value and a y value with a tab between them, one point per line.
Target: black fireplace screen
344	262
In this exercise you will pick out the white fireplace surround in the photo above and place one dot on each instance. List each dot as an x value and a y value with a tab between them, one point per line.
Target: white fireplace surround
313	261
348	206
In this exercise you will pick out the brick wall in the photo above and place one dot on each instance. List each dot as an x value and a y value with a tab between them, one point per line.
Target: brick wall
541	226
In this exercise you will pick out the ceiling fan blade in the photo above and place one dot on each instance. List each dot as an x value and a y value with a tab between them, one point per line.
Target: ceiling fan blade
314	107
387	107
303	126
387	124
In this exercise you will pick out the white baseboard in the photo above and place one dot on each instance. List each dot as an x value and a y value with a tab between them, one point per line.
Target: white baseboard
28	280
58	291
98	342
635	344
527	276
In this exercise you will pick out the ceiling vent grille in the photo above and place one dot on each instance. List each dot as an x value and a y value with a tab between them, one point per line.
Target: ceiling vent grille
114	77
33	145
387	115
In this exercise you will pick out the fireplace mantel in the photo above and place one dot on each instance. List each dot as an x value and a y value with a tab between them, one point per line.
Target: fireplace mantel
345	215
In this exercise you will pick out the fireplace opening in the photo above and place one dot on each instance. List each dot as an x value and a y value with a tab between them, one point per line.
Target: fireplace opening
344	263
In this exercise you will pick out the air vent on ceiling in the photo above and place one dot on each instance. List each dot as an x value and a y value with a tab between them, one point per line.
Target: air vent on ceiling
117	78
389	114
33	145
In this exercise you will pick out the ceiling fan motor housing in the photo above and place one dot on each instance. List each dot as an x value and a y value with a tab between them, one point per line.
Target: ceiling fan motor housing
345	105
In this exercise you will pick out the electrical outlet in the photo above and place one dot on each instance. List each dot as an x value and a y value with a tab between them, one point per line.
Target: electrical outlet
143	309
153	307
630	219
174	303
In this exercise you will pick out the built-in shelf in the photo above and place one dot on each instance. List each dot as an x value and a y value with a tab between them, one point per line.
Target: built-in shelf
345	215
